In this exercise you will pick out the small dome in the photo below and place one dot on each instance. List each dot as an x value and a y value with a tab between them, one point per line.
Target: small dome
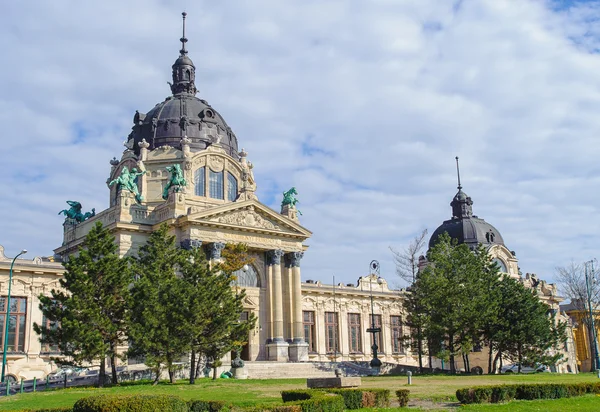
471	230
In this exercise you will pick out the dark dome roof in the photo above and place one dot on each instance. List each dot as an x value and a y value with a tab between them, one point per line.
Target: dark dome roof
465	227
471	231
182	115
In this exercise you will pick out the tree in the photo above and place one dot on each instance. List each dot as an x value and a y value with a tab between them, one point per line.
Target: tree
159	324
407	267
526	330
451	296
572	282
226	331
87	317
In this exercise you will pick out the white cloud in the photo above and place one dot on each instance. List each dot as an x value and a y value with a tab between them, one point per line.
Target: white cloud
361	106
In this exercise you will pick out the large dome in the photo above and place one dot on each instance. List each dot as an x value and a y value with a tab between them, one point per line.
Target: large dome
182	115
465	227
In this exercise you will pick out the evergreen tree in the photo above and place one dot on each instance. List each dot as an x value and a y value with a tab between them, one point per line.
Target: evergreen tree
160	327
87	317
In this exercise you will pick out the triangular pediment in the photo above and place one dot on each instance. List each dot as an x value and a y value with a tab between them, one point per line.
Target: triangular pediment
249	215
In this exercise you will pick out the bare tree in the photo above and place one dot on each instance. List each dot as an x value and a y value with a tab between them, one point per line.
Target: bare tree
407	260
407	267
572	281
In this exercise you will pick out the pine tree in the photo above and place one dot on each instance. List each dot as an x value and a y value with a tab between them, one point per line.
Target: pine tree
159	325
87	317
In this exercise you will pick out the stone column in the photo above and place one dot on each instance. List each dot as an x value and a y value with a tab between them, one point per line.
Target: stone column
278	348
298	348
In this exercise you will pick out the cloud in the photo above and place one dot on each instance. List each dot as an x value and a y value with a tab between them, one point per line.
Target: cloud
361	106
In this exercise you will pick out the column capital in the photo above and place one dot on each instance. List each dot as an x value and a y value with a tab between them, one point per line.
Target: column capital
274	257
189	244
292	259
215	250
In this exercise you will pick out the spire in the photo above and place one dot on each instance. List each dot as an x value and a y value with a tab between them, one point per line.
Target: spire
462	205
458	174
184	71
183	39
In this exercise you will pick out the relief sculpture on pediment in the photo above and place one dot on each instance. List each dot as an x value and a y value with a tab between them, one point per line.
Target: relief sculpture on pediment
246	218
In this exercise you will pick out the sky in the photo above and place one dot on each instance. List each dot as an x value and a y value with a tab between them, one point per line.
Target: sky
362	106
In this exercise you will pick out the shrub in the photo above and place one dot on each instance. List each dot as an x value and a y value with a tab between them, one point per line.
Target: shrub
505	393
274	408
382	397
368	399
402	395
352	397
296	395
323	402
133	403
207	406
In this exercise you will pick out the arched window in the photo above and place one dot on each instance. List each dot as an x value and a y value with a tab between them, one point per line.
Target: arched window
215	180
501	265
199	182
246	278
231	187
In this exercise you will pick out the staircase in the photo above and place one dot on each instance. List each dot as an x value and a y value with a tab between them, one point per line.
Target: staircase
272	370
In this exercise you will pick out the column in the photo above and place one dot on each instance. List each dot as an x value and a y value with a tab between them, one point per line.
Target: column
298	348
278	348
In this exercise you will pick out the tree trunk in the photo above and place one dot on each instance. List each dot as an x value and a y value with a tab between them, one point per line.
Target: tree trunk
102	374
157	377
193	367
113	367
430	355
468	367
519	351
214	373
496	358
451	349
490	357
420	348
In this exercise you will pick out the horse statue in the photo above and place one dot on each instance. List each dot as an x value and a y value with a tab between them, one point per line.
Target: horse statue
128	180
289	199
177	181
74	212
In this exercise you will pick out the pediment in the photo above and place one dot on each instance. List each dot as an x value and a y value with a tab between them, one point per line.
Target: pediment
249	215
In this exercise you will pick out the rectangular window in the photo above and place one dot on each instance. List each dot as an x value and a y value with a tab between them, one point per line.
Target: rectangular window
52	326
16	324
231	187
354	332
396	326
200	181
331	332
308	320
215	180
377	319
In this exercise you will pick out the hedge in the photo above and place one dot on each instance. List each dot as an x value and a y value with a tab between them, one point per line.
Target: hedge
382	397
353	398
505	393
402	395
315	400
208	406
130	403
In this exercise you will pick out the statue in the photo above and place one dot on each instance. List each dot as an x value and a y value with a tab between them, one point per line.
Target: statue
289	199
128	180
75	212
176	180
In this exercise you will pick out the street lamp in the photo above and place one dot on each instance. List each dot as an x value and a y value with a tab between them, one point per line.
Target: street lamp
588	286
374	269
7	318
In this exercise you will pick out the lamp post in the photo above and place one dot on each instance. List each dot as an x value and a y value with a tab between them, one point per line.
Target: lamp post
374	269
589	281
7	317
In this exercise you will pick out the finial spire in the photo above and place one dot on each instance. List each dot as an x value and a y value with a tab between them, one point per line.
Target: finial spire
183	39
458	174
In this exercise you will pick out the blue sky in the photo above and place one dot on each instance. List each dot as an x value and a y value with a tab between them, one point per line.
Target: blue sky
361	106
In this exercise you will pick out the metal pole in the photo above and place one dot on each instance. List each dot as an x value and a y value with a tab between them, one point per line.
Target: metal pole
375	362
7	318
589	286
335	338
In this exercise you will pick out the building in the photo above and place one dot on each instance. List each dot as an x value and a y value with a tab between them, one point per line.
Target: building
467	228
578	313
183	166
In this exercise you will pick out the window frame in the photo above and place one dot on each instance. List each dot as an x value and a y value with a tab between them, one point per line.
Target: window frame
18	345
309	327
355	333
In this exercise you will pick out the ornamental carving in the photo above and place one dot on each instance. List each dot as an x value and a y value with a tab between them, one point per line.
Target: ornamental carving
199	162
216	163
246	218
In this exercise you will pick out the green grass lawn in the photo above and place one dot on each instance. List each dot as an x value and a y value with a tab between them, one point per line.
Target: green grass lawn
249	392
